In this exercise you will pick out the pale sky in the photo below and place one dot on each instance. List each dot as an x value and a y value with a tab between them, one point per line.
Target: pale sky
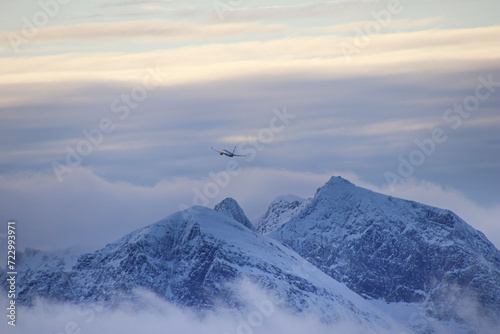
368	86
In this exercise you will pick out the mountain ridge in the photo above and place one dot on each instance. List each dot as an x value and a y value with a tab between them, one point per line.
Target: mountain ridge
232	209
190	259
397	250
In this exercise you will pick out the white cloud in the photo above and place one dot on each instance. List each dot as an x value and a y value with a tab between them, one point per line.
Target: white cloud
310	56
395	25
238	139
290	10
158	316
148	30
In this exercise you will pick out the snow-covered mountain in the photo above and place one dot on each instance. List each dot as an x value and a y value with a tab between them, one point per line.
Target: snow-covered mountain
281	210
334	256
396	250
193	258
231	208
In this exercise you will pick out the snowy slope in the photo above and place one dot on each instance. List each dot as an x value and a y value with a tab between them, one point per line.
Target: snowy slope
38	260
397	250
189	258
232	209
281	210
43	273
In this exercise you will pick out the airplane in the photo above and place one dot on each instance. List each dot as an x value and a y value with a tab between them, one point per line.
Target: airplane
227	153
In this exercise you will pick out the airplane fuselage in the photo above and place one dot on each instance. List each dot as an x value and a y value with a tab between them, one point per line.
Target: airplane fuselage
228	153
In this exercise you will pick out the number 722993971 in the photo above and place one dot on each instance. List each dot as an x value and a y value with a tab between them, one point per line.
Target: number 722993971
11	245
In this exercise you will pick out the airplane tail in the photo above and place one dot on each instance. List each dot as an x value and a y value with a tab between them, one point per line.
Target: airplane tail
234	150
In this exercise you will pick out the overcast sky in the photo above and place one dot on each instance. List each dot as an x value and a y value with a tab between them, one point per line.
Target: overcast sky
108	109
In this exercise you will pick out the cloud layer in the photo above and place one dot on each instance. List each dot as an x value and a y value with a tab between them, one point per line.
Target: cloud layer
158	316
87	210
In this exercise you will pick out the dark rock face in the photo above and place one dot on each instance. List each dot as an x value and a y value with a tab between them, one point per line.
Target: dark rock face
397	250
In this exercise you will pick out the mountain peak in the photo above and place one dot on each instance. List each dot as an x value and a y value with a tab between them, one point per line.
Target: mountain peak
336	185
339	180
393	249
231	208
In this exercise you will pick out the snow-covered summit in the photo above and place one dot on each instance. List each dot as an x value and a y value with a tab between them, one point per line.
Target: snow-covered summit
281	210
397	250
339	181
338	187
232	209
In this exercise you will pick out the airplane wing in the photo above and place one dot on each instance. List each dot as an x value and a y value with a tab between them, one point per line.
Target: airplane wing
237	155
216	150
